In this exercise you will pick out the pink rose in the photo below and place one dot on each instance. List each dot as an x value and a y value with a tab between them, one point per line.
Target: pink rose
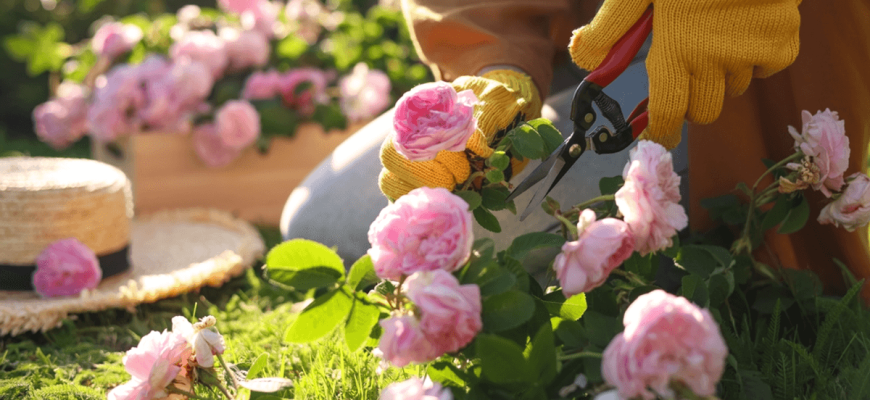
852	209
603	245
666	339
210	148
174	95
650	199
823	137
115	38
403	342
304	100
305	16
433	117
415	389
259	15
449	312
204	47
245	49
364	93
153	364
65	268
238	124
204	341
118	97
262	85
425	230
63	119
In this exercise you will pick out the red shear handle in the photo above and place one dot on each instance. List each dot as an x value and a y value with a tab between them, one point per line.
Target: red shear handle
623	51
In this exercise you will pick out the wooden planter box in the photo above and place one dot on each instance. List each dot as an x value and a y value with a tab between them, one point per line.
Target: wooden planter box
166	173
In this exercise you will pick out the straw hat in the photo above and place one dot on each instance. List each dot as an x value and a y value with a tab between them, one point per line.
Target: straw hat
162	255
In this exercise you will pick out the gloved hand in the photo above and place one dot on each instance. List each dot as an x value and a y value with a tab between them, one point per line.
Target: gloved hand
505	97
701	50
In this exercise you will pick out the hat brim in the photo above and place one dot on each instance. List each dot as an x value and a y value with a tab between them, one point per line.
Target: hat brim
171	252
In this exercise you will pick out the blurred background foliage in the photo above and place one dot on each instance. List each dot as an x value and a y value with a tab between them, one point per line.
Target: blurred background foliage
40	37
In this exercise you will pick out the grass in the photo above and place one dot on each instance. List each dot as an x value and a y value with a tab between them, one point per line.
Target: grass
82	358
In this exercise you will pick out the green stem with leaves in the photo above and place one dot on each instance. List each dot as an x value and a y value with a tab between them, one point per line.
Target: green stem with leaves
587	203
582	354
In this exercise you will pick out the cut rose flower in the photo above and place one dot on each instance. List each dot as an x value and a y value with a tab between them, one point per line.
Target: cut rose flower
601	246
415	389
650	199
823	137
204	341
65	268
666	339
449	312
851	210
153	364
403	342
433	117
115	38
427	229
364	93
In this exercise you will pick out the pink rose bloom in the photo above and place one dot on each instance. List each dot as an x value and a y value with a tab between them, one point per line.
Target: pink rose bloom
204	47
852	209
259	15
416	389
154	364
238	124
403	342
364	93
262	85
433	117
65	268
823	137
304	100
450	312
63	119
115	38
427	229
204	341
603	245
174	96
210	148
118	97
245	49
666	338
650	199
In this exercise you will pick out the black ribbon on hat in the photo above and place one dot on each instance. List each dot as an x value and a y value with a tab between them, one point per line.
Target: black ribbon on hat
20	277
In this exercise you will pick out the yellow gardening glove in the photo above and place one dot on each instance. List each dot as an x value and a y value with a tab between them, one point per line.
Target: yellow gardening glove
505	96
701	51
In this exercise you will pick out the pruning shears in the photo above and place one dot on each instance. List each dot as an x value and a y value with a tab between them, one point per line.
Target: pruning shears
601	140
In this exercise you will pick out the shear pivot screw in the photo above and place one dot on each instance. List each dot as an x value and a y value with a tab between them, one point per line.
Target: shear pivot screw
574	151
603	137
589	117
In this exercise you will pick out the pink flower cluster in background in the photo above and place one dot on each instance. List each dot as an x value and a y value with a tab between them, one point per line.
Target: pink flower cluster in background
64	119
114	39
433	117
65	268
666	339
236	126
427	229
602	245
447	319
364	93
415	389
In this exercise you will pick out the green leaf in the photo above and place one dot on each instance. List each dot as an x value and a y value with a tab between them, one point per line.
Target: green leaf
258	366
776	214
486	220
645	266
610	185
86	6
550	206
494	197
495	280
571	309
363	317
513	265
275	119
527	142
502	360
571	333
551	136
362	274
304	264
507	310
796	218
446	373
499	160
718	206
600	328
471	197
523	244
495	176
719	289
695	290
330	117
19	47
321	317
696	260
291	47
542	357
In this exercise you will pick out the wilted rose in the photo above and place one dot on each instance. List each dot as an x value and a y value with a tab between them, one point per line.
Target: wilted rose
603	245
823	137
153	364
666	339
364	93
63	119
449	312
65	268
115	38
852	209
425	230
433	117
650	199
204	341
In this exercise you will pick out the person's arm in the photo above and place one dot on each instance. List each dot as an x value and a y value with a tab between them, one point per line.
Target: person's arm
462	37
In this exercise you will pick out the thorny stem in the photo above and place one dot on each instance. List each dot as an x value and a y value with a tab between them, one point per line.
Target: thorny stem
582	354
